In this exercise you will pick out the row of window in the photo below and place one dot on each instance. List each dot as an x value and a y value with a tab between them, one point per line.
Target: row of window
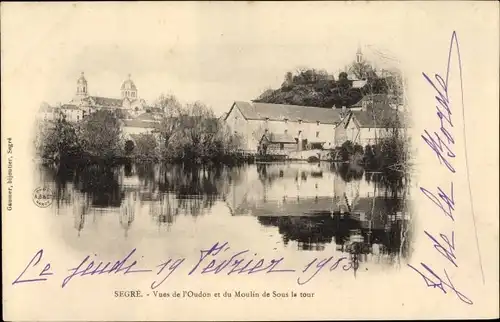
286	121
286	132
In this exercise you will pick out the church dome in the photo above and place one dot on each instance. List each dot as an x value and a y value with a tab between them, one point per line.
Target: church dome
129	85
82	80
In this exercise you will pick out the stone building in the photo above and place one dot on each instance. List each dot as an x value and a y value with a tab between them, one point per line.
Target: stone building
129	102
310	127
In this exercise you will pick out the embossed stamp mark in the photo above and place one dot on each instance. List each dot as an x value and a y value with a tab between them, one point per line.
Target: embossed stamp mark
42	197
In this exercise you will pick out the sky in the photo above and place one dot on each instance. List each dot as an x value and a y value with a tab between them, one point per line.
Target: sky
212	52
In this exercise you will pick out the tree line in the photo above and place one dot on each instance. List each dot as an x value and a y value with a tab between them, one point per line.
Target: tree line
313	87
189	132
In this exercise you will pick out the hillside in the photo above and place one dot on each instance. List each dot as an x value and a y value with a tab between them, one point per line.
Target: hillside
323	91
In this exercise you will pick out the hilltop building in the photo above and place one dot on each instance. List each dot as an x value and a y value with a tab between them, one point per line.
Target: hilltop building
129	101
82	104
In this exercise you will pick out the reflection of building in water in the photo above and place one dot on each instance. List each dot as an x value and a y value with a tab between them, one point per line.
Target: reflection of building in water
295	189
373	219
80	211
127	213
290	186
313	205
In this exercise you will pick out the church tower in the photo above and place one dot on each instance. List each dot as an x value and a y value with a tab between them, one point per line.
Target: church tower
129	90
359	55
81	87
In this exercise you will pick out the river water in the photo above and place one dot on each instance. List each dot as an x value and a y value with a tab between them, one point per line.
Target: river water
288	207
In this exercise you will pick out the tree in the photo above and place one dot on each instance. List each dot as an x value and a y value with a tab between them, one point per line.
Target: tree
168	104
57	140
129	147
146	147
101	134
362	70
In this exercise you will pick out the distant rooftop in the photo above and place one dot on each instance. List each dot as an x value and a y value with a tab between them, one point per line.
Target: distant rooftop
292	113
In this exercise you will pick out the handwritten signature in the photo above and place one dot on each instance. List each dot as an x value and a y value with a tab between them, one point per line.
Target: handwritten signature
212	260
441	143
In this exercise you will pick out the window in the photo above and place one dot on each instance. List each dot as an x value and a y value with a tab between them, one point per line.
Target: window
282	146
317	134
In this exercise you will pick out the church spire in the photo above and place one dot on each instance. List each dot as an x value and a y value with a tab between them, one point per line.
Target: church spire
359	54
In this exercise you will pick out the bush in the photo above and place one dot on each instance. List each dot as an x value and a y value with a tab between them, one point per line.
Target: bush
351	152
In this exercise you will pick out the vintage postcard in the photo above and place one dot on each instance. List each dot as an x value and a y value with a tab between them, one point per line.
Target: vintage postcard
196	161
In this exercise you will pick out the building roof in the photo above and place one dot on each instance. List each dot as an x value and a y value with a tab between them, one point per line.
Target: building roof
293	113
141	124
81	80
129	84
279	138
69	107
377	112
105	101
383	118
378	100
359	83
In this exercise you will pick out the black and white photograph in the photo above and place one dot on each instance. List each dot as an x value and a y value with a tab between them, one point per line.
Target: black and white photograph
318	160
236	151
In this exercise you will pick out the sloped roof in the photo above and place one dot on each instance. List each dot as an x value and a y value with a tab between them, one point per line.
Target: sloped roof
69	107
279	138
141	124
359	83
293	113
381	118
106	101
379	100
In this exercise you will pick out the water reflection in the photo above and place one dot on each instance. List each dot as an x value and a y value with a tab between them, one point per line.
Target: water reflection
308	205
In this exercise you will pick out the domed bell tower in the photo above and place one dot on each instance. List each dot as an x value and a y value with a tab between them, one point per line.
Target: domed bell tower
81	87
129	90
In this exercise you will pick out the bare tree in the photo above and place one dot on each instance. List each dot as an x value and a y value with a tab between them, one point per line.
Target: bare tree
362	70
